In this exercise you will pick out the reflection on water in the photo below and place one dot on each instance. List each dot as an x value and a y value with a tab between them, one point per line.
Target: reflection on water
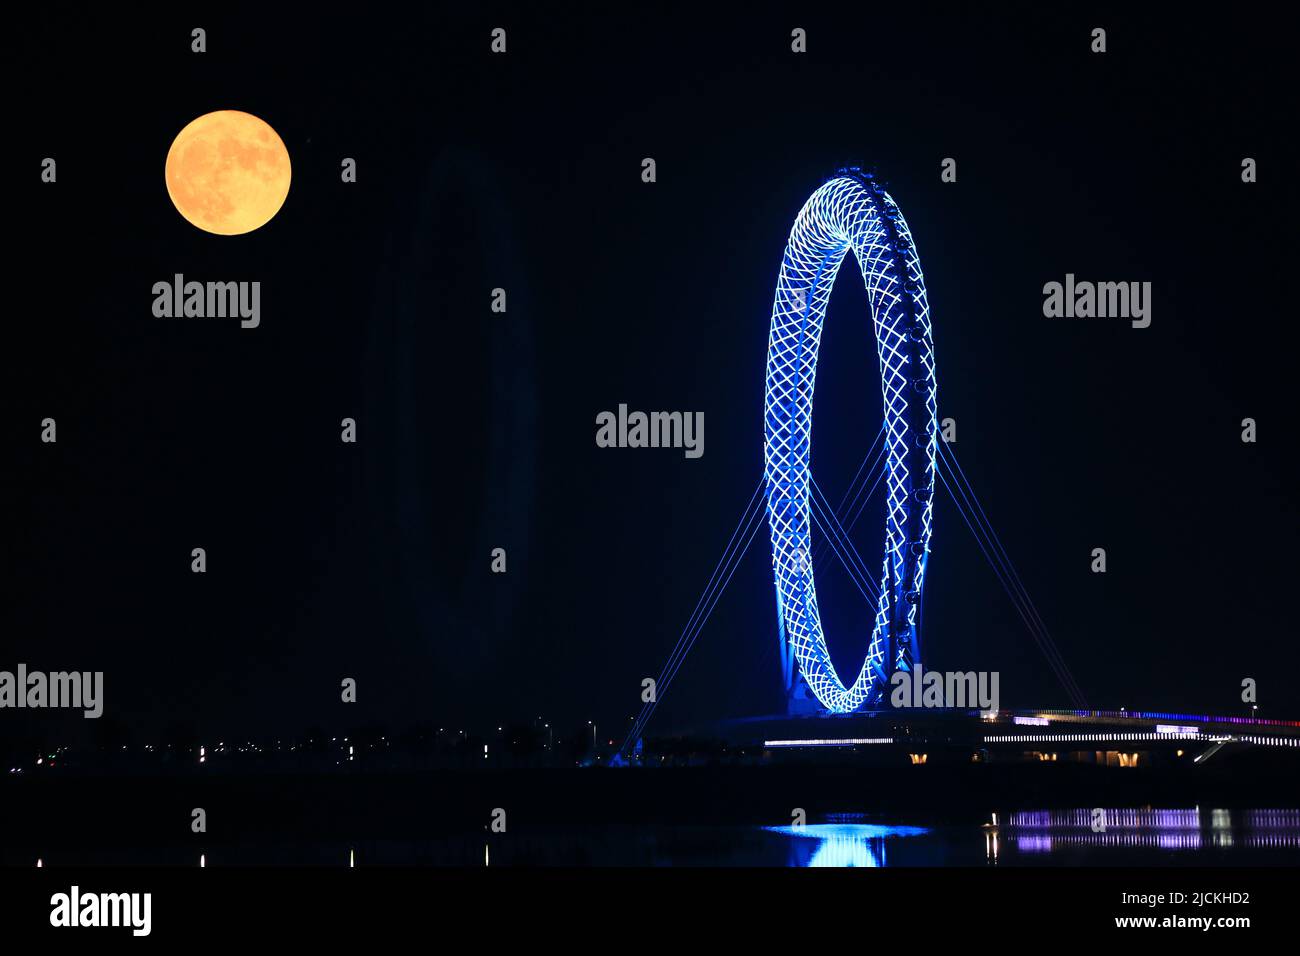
1124	836
1044	831
841	844
1102	836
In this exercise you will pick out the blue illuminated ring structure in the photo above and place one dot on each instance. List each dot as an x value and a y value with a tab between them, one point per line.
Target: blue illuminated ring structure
851	211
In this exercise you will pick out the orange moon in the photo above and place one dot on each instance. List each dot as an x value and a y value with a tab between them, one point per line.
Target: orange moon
228	172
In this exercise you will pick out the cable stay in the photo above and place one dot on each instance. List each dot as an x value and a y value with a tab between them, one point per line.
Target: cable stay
1015	583
671	669
961	497
839	509
854	491
854	575
956	471
717	595
1007	586
720	571
737	546
842	543
880	476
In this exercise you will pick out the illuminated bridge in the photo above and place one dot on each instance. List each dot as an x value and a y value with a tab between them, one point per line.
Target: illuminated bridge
1117	738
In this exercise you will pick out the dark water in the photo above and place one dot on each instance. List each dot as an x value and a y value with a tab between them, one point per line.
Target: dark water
1130	837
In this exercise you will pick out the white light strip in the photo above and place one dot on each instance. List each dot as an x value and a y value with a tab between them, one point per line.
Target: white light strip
829	742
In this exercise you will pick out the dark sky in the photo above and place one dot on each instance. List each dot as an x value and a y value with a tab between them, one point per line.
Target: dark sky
477	430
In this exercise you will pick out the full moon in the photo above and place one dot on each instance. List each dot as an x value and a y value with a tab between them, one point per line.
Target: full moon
228	172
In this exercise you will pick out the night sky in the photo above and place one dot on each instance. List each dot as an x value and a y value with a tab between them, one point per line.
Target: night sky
476	430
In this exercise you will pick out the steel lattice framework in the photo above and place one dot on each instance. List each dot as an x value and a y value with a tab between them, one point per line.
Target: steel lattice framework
852	211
